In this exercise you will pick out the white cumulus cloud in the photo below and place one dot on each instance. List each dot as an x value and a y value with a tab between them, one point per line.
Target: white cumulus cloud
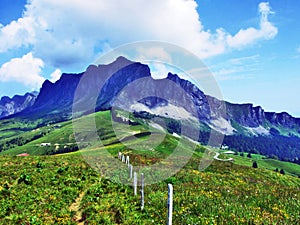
70	32
25	70
250	35
17	34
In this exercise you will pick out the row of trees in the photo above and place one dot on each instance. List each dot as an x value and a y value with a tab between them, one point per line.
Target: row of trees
280	147
255	165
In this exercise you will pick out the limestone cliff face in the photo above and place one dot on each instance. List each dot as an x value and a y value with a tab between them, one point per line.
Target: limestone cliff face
246	114
283	119
90	87
58	94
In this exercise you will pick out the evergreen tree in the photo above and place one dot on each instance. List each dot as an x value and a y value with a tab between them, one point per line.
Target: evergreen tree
254	165
282	171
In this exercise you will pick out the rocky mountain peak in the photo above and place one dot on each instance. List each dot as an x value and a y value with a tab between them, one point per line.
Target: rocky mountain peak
100	85
16	104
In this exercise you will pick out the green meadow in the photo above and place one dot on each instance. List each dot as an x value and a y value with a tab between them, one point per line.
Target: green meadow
56	184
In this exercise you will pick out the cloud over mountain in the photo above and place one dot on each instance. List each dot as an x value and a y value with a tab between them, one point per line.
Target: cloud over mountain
67	33
25	70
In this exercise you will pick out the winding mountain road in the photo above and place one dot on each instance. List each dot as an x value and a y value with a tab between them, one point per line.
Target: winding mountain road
223	160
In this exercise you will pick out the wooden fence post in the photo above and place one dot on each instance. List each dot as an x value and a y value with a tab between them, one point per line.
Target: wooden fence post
135	183
123	158
142	192
170	204
130	171
119	155
127	160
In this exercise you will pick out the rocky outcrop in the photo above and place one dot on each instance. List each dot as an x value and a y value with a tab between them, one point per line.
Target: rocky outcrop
58	95
245	114
283	119
16	104
91	89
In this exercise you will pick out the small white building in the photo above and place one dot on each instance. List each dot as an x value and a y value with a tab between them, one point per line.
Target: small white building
224	147
45	144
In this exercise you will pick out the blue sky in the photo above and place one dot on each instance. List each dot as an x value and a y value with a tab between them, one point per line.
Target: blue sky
252	47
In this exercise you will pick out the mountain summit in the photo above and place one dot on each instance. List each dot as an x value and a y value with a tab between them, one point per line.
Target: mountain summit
103	87
129	85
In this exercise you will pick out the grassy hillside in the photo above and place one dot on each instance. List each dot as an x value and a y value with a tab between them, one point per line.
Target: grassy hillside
62	139
61	135
265	163
64	189
16	133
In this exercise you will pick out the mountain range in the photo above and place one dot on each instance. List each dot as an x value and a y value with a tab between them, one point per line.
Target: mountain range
16	104
129	85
